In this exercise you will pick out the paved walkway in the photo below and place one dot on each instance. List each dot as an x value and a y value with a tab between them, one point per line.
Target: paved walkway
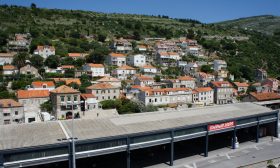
247	153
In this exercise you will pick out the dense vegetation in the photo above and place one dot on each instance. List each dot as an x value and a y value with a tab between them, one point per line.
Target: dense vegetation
66	30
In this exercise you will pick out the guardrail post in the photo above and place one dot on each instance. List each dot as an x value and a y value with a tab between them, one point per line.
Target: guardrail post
172	148
128	153
71	150
206	145
234	139
1	161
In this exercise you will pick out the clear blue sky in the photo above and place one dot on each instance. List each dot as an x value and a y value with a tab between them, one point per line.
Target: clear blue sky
204	10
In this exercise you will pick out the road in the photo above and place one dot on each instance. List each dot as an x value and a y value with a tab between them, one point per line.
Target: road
248	153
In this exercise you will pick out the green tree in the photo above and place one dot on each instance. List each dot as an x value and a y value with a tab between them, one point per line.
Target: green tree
33	6
98	55
67	61
20	59
69	73
52	61
47	106
206	68
157	78
37	61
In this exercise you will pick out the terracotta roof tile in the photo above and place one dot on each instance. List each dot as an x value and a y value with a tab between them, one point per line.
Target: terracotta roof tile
64	89
73	80
239	84
108	79
126	67
9	103
27	94
145	78
186	78
117	55
96	65
203	89
101	86
220	83
9	67
86	96
41	83
67	66
265	96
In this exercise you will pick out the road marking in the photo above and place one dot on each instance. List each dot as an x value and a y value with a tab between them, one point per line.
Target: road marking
257	147
212	161
188	166
194	165
227	156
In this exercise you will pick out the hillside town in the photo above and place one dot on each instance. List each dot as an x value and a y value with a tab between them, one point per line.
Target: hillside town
153	74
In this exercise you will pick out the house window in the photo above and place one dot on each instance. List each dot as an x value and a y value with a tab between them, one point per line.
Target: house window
7	114
96	91
44	86
75	98
16	112
62	98
7	122
108	91
68	98
108	97
114	91
114	97
103	98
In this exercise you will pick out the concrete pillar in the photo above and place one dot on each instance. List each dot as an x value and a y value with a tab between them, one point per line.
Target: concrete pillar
1	161
172	148
206	145
276	127
234	139
257	132
128	153
72	158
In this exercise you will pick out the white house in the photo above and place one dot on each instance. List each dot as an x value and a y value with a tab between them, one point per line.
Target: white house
94	69
42	85
111	80
144	81
165	96
124	72
193	50
136	60
76	56
187	81
148	69
203	96
6	58
191	68
219	65
203	79
45	51
88	102
116	59
9	70
122	45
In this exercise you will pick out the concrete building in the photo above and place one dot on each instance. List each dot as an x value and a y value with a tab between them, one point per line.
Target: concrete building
29	70
272	83
32	99
165	96
191	68
137	60
122	46
203	96
203	79
111	80
76	56
44	51
241	87
6	58
223	92
19	42
159	133
11	112
66	102
94	69
144	81
187	82
104	91
88	102
168	58
148	69
116	59
124	72
260	97
219	65
260	75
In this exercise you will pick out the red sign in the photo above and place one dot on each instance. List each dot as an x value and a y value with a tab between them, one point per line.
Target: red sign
215	127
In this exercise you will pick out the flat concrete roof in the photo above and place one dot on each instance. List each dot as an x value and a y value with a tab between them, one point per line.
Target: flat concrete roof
34	134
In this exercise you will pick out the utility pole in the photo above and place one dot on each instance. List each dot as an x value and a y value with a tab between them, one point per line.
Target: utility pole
72	159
